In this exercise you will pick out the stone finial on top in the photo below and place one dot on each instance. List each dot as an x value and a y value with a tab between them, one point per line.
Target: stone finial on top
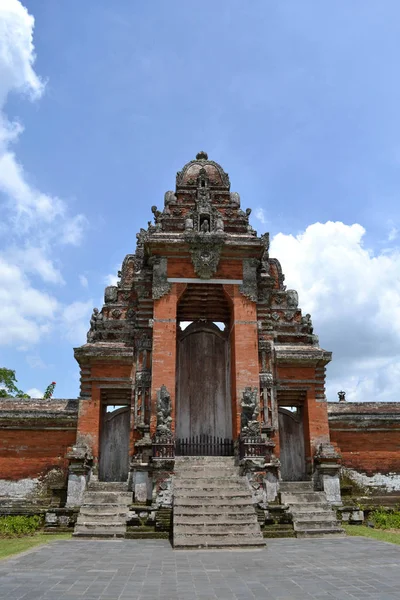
342	396
202	155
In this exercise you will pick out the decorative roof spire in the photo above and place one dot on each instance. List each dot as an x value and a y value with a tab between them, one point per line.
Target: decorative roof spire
202	155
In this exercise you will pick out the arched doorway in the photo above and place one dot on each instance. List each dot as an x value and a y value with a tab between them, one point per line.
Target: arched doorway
203	405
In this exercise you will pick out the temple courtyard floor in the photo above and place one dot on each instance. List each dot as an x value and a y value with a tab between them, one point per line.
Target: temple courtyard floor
286	569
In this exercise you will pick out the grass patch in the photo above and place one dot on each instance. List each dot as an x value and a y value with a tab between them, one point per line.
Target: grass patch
376	534
11	546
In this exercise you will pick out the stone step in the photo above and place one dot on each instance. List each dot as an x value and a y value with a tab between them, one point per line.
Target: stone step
217	529
107	486
205	475
311	525
303	498
215	519
212	501
101	519
309	507
296	486
207	472
211	485
205	460
235	492
184	542
322	515
223	510
100	510
121	498
104	506
99	533
331	533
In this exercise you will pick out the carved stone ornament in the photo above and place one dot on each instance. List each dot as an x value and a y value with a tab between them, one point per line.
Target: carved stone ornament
96	326
160	283
249	425
110	294
143	340
116	313
169	197
266	379
249	285
164	418
206	254
292	299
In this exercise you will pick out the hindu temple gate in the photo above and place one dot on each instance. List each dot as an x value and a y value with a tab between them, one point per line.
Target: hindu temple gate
203	336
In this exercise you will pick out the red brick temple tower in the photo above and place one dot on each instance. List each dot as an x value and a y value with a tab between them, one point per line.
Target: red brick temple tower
203	351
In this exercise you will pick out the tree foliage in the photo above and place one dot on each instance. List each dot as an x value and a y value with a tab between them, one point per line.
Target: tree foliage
8	384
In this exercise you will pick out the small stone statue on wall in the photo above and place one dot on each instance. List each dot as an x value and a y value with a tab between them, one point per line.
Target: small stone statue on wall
250	426
164	408
96	324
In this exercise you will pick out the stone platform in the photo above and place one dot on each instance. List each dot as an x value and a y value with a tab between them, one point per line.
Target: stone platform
288	569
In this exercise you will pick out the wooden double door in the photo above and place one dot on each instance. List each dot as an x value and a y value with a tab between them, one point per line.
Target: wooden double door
203	404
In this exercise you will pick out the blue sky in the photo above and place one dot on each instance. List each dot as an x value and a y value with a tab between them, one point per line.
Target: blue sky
299	102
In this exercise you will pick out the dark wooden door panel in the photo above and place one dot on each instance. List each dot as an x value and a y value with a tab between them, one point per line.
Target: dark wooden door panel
291	441
114	445
203	398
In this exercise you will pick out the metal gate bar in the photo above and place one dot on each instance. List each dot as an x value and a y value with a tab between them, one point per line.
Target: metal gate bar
204	445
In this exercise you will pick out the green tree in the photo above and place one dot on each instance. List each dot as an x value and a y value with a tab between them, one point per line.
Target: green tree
8	384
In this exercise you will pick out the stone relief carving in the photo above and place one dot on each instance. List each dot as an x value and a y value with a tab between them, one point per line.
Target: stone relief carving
235	198
169	197
292	299
164	418
249	425
306	324
160	282
111	294
249	285
205	253
116	313
96	325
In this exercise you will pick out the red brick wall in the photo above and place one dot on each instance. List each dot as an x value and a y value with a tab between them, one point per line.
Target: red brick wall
183	267
31	453
244	349
367	434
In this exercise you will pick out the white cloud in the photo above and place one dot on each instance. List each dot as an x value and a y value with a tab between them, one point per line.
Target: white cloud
353	296
34	393
259	214
73	230
83	281
27	312
75	320
111	279
34	260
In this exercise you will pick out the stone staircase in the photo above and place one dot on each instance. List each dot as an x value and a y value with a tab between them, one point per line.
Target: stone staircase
312	515
213	506
104	510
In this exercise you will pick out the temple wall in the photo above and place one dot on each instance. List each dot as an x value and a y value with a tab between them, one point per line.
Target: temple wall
368	437
34	439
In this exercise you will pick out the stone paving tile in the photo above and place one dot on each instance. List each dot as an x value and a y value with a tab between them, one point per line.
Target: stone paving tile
288	569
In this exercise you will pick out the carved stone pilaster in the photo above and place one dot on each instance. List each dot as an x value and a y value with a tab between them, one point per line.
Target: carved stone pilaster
160	282
249	286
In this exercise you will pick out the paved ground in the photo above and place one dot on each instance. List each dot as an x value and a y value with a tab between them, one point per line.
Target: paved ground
149	570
